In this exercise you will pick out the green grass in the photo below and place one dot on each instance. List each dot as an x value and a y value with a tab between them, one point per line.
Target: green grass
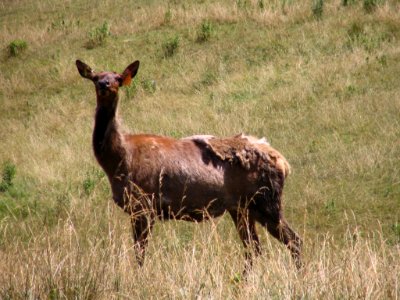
324	92
98	36
17	47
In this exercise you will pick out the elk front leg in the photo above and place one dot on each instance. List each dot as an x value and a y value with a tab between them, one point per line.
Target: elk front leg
141	227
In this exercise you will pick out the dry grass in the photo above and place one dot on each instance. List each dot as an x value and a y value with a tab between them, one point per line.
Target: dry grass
324	92
91	257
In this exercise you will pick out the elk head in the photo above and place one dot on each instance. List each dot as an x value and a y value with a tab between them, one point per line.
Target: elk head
108	83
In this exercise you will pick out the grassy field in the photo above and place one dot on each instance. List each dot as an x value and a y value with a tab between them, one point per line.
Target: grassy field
319	79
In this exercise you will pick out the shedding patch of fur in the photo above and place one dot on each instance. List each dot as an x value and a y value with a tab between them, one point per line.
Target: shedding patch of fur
253	139
199	137
246	150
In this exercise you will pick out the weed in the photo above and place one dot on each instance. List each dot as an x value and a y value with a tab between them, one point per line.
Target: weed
241	96
396	230
330	206
355	32
149	85
242	3
91	180
277	47
236	278
382	60
205	32
318	8
209	78
64	24
54	294
350	90
168	16
347	2
367	36
88	185
370	5
17	47
283	6
98	36
8	174
313	147
63	201
170	46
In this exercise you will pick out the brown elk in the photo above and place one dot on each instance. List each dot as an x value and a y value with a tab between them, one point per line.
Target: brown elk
193	178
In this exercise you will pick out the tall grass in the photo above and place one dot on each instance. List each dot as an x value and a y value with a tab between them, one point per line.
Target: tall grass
205	262
325	93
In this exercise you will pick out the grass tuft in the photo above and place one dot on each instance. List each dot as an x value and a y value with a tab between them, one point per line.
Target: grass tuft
170	46
168	16
98	36
318	8
17	47
370	5
348	2
205	31
8	174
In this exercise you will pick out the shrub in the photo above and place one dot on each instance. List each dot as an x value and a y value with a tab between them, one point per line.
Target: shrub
170	46
98	36
16	47
205	32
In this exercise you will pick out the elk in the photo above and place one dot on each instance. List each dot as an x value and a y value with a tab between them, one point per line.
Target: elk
193	178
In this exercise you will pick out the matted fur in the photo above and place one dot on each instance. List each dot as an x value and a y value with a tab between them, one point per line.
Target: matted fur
246	150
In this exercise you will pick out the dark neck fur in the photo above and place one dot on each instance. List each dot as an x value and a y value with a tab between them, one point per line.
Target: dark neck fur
103	120
106	139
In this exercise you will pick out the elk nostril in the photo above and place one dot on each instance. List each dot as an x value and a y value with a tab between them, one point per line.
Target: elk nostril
103	84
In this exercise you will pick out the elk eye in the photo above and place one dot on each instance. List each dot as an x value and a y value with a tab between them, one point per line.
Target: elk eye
95	78
119	80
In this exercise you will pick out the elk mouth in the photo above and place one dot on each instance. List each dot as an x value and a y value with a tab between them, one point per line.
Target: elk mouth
102	92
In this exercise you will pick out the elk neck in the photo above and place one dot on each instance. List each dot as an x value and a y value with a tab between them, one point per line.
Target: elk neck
107	140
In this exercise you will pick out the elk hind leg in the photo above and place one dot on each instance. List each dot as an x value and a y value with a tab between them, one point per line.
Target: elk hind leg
278	227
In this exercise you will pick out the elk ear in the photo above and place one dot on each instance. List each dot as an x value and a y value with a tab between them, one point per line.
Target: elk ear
84	70
129	73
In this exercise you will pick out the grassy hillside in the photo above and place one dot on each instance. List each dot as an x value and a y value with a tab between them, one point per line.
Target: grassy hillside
318	79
